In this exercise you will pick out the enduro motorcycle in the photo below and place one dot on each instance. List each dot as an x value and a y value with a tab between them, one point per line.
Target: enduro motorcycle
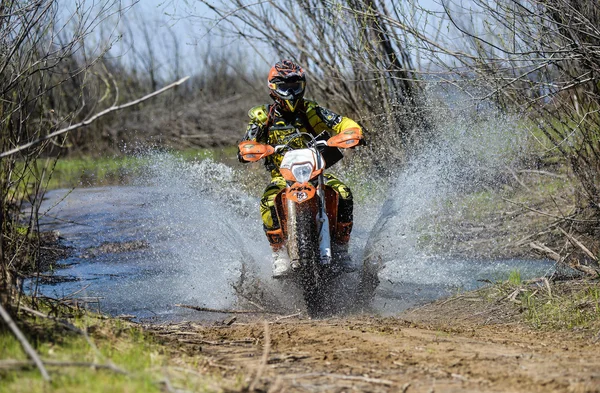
307	209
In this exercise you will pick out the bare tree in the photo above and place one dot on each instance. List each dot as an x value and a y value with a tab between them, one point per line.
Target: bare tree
357	64
41	52
538	57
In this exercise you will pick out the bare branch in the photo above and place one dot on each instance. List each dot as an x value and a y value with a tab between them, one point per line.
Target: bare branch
26	346
92	119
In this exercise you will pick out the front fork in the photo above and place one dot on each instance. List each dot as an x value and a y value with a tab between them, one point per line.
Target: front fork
323	225
297	243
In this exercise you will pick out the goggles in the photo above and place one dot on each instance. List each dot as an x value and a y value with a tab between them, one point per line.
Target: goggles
287	89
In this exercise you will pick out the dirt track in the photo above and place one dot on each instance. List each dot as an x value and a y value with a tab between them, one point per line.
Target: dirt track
403	354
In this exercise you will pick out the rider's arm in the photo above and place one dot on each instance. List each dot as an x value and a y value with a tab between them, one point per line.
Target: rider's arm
255	131
251	132
345	124
333	121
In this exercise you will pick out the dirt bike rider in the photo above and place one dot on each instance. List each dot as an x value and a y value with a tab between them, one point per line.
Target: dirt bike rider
287	82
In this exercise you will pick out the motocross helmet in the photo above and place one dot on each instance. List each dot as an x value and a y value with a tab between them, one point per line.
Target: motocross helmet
286	84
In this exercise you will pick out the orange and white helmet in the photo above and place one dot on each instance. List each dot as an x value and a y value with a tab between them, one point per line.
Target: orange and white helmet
286	84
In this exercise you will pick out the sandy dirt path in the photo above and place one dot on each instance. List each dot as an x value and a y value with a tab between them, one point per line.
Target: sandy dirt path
370	354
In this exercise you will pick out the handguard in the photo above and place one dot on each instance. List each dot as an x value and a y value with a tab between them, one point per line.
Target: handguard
349	137
253	151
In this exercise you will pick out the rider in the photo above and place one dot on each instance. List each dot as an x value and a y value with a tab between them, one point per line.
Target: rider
286	84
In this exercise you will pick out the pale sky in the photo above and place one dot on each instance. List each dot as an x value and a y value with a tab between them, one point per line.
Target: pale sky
167	27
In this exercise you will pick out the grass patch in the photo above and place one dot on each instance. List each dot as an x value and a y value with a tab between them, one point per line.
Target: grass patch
568	306
543	304
563	306
514	277
105	171
145	363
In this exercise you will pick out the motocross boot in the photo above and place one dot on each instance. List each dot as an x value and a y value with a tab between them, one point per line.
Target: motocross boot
281	263
281	260
341	256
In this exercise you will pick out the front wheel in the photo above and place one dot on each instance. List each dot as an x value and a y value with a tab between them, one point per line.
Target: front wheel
317	285
303	247
313	290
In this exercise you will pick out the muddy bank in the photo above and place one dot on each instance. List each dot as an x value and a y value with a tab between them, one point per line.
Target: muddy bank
461	345
391	355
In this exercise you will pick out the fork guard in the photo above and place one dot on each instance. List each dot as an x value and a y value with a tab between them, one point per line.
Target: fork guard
300	193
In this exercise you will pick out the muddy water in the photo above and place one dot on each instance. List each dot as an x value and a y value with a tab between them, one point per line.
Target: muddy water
185	234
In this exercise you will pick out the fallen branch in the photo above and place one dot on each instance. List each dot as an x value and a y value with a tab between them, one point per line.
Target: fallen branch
91	119
64	323
547	283
545	214
264	359
577	243
549	252
341	376
288	316
586	269
13	364
222	311
207	342
514	175
26	346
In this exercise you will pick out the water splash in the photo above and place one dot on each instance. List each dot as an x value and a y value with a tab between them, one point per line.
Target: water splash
207	247
471	153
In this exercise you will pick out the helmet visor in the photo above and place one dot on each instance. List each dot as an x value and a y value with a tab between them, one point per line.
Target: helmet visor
288	89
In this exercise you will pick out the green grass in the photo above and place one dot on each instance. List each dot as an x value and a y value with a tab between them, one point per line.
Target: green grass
95	172
147	363
567	306
575	308
92	172
546	305
514	277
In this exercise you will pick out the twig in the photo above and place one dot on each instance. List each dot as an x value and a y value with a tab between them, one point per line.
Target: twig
221	366
550	252
341	376
66	324
542	173
222	311
288	316
586	269
576	242
76	292
10	364
514	175
265	357
548	287
545	214
346	349
26	346
207	342
91	119
513	296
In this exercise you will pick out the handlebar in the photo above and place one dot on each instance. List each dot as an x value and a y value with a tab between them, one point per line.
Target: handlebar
313	143
254	151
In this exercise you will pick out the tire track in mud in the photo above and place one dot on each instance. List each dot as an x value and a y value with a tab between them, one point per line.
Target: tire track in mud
370	354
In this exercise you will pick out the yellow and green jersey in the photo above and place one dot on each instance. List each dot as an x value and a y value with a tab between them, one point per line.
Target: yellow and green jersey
269	125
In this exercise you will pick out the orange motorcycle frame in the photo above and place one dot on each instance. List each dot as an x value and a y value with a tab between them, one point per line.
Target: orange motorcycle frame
312	205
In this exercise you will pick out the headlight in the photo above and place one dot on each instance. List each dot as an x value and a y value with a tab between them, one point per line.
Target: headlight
302	172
